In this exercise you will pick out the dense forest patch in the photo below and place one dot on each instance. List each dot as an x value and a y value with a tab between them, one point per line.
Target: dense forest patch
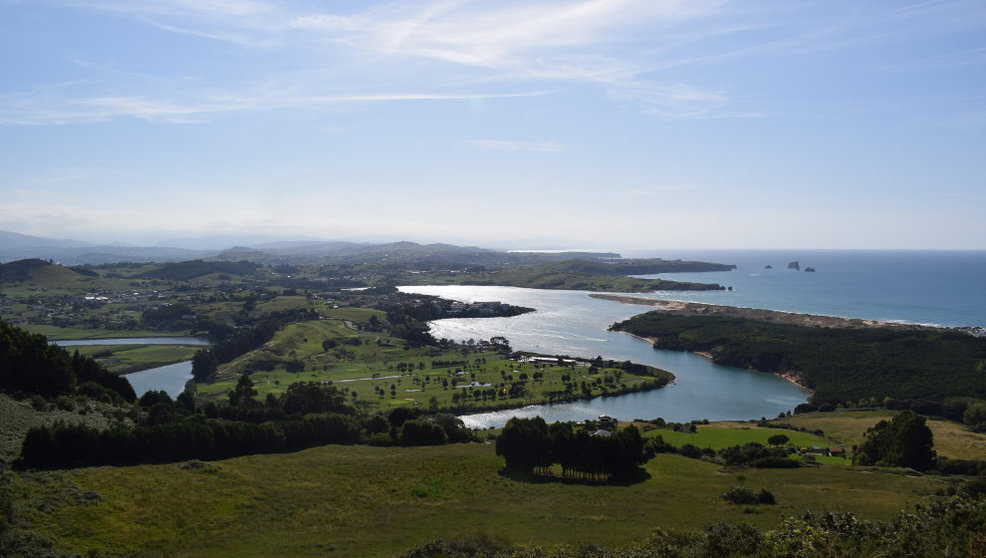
839	365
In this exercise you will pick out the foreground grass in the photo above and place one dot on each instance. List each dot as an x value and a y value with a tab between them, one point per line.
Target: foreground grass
369	501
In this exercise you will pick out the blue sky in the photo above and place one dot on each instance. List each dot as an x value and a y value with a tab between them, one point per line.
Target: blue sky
615	124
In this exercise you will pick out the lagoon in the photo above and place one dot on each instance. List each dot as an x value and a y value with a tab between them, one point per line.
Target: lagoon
572	323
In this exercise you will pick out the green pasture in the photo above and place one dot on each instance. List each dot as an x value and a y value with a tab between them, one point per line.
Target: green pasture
721	435
372	501
848	427
369	364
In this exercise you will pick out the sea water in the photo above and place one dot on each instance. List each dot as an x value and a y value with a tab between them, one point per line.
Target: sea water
944	288
941	288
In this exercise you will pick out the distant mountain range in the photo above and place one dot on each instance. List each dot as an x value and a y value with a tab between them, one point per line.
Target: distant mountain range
15	246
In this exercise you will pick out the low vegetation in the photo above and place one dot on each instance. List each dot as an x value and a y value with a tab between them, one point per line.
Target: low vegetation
380	501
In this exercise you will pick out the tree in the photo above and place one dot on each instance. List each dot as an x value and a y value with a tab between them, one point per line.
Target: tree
422	432
524	444
778	440
204	364
242	395
906	441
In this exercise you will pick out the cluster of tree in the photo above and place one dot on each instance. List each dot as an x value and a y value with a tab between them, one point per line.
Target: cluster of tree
205	362
950	527
840	365
305	415
410	427
169	317
195	437
532	447
750	454
405	326
905	441
30	365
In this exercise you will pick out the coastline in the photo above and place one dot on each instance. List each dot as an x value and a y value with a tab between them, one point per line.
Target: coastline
790	376
769	316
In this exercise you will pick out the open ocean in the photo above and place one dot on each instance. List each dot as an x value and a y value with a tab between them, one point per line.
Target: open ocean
944	288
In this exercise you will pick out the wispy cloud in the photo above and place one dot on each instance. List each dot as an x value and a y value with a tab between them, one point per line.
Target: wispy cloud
502	145
539	44
199	109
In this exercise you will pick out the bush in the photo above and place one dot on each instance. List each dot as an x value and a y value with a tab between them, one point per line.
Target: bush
775	463
765	497
742	495
690	451
421	432
737	494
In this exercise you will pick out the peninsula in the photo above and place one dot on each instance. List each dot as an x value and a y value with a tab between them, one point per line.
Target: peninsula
757	314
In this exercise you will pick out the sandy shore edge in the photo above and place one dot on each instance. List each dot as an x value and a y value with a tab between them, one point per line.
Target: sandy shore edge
770	316
791	377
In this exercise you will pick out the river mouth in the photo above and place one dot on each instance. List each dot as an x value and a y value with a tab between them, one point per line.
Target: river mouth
574	324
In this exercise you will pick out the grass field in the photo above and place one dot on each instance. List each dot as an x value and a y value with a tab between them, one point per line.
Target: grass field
370	501
721	435
383	374
849	428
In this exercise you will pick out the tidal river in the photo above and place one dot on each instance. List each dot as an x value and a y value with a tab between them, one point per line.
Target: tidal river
572	323
170	378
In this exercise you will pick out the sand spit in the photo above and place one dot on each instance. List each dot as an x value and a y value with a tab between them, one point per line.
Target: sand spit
770	316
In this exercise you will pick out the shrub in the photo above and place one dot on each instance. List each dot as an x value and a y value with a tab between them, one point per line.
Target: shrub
737	494
690	451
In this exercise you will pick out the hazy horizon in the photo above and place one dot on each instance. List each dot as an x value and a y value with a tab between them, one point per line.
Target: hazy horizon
620	125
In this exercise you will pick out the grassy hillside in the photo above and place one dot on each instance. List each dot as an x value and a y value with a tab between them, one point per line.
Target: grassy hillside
848	427
366	501
555	276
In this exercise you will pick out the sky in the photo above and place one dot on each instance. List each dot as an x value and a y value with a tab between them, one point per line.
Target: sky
591	124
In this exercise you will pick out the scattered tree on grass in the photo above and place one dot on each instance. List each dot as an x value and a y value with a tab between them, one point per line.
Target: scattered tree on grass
905	441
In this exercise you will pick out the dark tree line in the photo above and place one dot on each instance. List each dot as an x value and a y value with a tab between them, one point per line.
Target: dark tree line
531	446
307	414
29	365
193	438
840	365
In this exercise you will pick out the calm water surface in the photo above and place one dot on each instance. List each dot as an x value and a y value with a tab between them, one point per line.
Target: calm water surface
170	378
572	323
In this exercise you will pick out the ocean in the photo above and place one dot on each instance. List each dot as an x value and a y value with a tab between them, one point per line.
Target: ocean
943	288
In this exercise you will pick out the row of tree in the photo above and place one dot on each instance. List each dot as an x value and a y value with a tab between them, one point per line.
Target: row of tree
305	415
531	446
